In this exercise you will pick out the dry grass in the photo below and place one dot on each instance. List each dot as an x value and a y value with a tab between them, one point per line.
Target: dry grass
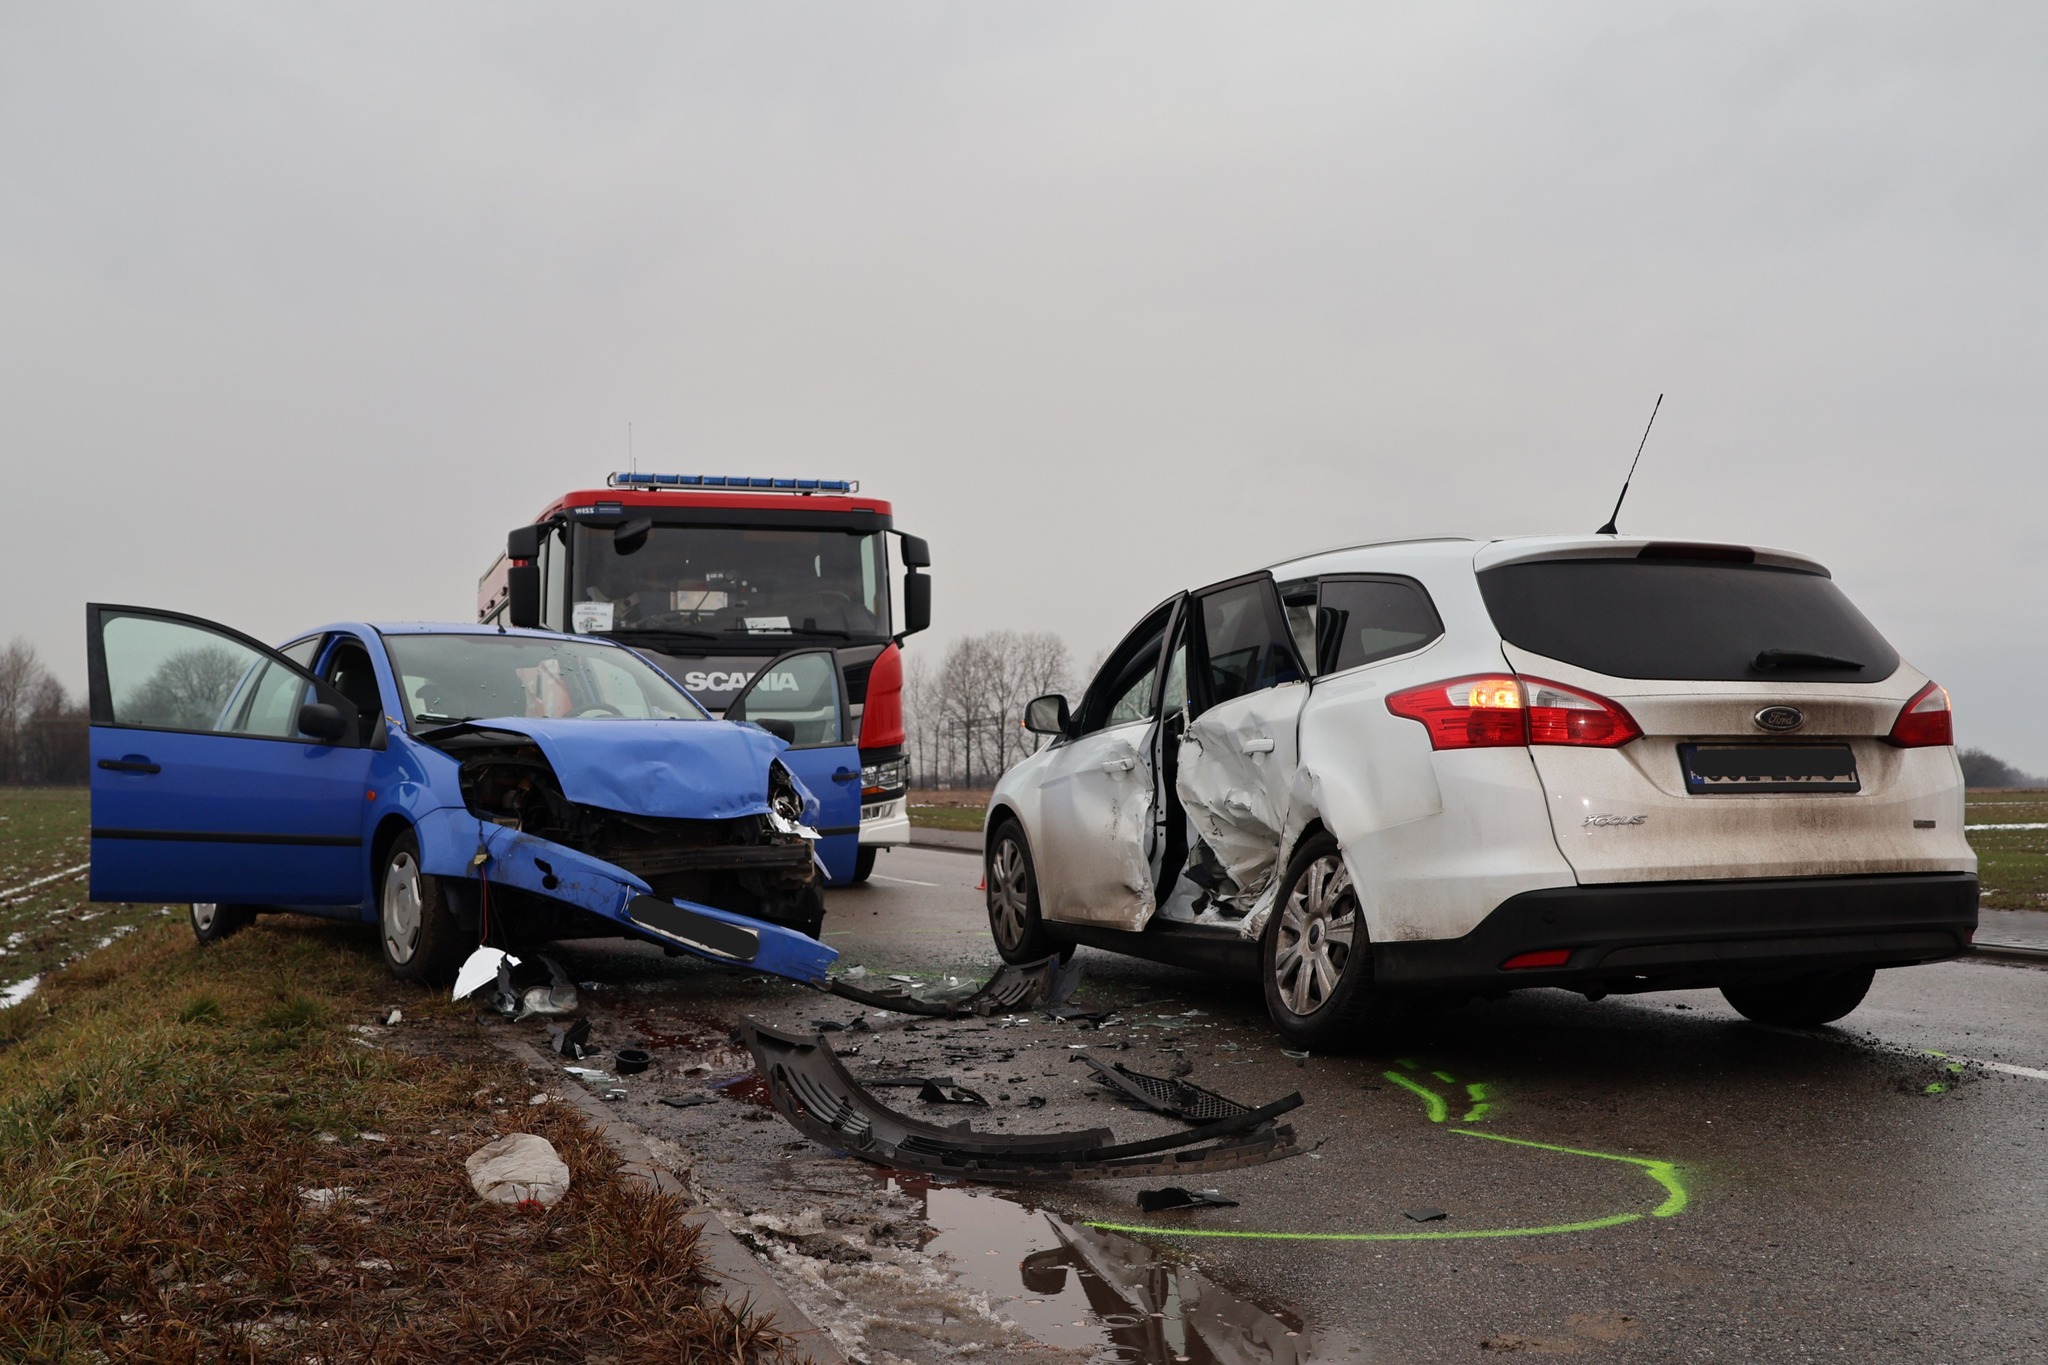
163	1108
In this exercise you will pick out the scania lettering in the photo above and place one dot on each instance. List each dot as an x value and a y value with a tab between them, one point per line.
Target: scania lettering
773	600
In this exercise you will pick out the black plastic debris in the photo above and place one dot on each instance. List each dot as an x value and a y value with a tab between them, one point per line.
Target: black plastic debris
1011	989
630	1061
1094	1014
935	1093
1423	1215
1169	1095
811	1089
571	1040
1174	1197
687	1101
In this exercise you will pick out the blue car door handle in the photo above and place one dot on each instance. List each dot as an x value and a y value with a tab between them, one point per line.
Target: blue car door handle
133	763
846	775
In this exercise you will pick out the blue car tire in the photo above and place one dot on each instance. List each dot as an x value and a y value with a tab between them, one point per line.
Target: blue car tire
419	935
211	923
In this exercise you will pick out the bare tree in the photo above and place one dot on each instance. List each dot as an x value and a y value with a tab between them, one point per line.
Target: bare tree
42	731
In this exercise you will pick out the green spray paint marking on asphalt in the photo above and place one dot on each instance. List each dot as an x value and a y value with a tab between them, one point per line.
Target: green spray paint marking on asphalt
1433	1102
1663	1172
1476	1092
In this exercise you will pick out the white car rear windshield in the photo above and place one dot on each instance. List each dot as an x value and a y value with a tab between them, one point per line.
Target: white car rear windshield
450	678
1711	621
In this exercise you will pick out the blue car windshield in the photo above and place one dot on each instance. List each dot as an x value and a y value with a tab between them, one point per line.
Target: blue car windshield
450	678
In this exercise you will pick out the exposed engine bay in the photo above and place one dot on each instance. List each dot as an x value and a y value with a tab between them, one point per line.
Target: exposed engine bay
756	865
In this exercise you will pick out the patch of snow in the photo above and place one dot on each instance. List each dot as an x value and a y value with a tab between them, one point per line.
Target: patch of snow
11	996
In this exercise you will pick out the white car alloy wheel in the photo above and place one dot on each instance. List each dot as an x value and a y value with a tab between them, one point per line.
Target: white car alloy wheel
400	915
1009	895
1317	932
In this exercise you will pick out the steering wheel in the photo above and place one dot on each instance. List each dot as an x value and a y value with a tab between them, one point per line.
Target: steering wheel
599	709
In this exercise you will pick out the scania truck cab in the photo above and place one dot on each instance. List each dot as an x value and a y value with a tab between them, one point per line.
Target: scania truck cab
772	600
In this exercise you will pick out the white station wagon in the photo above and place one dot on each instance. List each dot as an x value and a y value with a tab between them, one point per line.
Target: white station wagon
1459	768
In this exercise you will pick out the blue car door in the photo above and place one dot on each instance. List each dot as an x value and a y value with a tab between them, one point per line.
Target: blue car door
221	770
802	698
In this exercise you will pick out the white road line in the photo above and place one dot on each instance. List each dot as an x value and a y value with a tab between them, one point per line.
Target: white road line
1971	829
68	873
900	881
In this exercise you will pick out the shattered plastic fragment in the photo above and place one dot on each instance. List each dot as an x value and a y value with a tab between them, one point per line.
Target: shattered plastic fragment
935	1093
480	967
1012	988
1424	1215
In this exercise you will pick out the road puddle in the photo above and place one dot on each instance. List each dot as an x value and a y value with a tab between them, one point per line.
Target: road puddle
1082	1288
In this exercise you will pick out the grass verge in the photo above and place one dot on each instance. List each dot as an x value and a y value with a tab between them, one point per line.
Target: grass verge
169	1119
2012	864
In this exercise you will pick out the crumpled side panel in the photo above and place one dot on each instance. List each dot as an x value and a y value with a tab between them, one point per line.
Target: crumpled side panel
1236	780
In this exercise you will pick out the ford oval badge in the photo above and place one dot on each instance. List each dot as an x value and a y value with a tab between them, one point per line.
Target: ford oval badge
1779	719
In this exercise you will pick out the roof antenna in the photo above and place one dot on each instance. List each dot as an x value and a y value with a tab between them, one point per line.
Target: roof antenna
1608	529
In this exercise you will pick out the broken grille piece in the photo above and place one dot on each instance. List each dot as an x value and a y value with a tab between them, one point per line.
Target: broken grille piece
809	1087
1167	1095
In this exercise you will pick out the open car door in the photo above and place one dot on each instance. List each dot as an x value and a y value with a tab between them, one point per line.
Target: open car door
1236	761
801	698
221	771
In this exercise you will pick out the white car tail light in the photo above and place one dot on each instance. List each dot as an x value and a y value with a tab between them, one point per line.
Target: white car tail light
1497	710
1925	721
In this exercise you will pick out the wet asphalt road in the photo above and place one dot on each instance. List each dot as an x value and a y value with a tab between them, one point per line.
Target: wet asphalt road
1844	1194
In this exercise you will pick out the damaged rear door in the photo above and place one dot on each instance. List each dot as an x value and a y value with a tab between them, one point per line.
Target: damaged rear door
800	698
1237	758
222	771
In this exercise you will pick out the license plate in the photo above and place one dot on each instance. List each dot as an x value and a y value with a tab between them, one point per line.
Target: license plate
1762	769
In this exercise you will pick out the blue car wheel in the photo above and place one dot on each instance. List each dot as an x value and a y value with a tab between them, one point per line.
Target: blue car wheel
211	923
420	938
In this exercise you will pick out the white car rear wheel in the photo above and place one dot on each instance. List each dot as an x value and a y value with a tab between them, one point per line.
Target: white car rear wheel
1316	959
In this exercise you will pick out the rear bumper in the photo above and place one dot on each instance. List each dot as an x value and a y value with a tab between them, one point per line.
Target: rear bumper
1677	935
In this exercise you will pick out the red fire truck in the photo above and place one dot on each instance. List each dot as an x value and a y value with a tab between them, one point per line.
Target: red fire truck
770	599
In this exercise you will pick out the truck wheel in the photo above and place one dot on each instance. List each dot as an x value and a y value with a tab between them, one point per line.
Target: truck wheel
863	864
420	938
1804	1001
211	923
1316	959
1013	917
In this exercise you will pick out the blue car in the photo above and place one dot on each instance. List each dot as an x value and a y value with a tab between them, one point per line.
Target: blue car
460	785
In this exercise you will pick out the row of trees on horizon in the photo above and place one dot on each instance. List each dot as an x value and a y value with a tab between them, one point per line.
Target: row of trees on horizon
42	727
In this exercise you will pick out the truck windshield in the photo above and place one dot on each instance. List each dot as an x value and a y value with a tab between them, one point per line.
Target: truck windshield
450	678
729	582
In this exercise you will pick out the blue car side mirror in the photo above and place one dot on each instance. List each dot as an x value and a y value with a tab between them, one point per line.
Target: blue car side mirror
323	721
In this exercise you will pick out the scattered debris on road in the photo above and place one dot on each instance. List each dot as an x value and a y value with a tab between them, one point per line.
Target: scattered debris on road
1011	989
808	1086
1174	1197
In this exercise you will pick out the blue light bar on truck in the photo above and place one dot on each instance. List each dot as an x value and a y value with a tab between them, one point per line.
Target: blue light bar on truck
733	483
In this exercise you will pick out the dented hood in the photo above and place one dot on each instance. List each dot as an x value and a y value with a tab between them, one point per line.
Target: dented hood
669	769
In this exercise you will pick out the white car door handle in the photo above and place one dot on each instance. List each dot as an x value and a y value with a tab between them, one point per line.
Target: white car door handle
1119	765
1258	744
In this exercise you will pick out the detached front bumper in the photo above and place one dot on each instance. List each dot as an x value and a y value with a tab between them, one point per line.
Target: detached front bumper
455	844
1681	935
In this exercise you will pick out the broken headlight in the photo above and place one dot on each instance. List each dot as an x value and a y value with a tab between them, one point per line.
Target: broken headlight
783	797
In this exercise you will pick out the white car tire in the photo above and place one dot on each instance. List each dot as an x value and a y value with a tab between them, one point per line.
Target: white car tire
1315	960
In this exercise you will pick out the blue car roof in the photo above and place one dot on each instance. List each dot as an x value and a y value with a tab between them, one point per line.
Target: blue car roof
443	628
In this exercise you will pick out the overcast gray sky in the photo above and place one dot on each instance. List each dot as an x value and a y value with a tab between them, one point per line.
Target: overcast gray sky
301	307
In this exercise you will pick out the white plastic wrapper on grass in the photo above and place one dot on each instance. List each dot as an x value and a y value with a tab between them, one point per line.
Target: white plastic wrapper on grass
480	970
518	1168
